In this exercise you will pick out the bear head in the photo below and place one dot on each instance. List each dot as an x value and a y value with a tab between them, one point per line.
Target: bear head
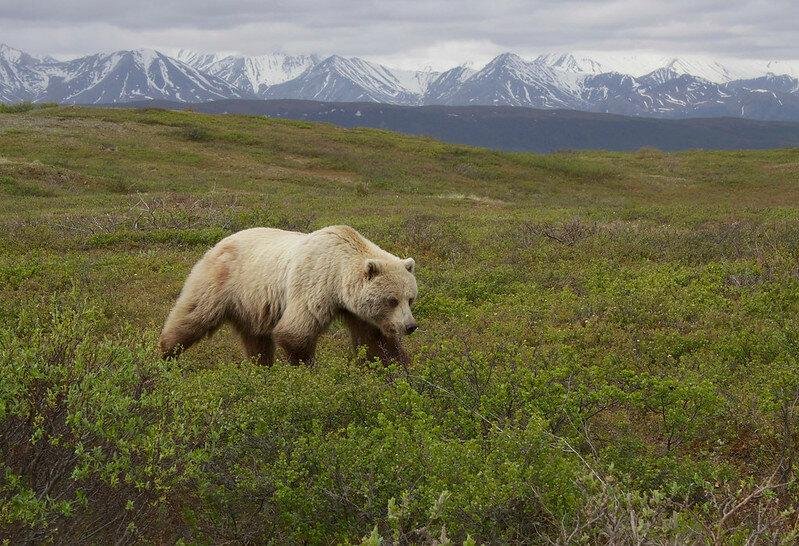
387	291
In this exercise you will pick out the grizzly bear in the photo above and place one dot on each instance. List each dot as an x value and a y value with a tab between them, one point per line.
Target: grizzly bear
285	288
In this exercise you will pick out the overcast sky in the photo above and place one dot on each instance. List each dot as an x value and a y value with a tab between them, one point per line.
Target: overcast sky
407	33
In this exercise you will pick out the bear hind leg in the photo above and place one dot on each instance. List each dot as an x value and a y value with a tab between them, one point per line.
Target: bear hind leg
261	348
179	336
188	323
297	333
299	349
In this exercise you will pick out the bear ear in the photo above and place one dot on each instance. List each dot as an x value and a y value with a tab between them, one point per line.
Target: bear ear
372	269
410	264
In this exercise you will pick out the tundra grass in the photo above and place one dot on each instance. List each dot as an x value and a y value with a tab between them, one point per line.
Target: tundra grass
608	344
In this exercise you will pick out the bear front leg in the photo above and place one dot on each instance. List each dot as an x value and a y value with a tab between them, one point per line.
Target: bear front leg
377	344
297	332
261	348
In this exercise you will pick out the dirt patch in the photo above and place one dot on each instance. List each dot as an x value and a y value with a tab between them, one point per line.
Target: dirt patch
782	167
473	198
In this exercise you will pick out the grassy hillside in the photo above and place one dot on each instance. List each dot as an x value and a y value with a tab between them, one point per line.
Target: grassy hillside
608	348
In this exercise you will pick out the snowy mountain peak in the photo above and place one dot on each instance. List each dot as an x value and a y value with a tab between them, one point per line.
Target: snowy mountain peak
16	56
505	60
790	68
439	90
509	66
10	54
509	79
463	72
335	60
570	62
660	76
198	59
338	78
144	56
707	69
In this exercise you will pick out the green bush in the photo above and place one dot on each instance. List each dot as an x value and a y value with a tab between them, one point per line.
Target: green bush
196	133
16	108
91	446
185	237
10	186
24	106
103	440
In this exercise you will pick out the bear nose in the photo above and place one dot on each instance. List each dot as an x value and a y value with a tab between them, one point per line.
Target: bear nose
411	328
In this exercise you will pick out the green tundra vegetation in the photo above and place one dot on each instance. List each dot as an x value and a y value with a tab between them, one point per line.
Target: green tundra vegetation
608	348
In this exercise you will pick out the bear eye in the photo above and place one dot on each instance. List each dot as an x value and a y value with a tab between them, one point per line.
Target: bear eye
392	302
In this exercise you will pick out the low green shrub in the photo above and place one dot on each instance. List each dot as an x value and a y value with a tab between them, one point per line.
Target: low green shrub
103	441
16	108
24	106
196	133
91	449
10	186
179	237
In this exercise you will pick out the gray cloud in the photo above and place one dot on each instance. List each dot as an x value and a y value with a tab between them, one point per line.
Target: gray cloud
406	32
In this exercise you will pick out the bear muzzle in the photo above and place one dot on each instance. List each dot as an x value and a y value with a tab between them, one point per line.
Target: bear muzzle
410	328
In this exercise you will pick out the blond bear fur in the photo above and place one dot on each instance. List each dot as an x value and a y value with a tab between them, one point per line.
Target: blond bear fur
285	288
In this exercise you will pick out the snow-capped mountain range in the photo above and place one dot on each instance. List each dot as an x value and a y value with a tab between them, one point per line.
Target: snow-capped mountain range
639	85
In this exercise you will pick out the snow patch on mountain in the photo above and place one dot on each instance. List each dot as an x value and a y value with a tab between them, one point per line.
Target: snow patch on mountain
790	68
200	60
441	88
571	62
251	73
415	81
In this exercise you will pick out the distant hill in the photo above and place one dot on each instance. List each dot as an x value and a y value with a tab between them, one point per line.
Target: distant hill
517	128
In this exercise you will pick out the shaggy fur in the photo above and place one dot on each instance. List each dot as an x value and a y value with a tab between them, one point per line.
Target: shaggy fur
285	288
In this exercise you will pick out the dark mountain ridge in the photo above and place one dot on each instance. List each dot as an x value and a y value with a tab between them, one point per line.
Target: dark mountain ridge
518	128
